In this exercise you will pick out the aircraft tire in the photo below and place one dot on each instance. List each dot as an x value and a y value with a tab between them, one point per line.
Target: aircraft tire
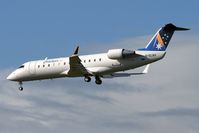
87	79
21	88
98	81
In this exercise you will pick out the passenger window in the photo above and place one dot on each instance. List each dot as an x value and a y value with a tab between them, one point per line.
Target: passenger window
64	63
89	60
43	65
48	65
100	59
94	60
84	61
38	66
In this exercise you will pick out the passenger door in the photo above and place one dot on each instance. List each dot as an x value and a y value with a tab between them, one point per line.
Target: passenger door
32	69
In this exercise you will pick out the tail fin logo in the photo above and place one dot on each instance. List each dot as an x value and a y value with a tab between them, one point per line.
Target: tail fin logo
159	43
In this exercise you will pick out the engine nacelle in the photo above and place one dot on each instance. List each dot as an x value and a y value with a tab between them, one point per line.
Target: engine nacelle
120	53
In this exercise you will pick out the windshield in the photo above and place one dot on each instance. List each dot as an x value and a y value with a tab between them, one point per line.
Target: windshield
21	66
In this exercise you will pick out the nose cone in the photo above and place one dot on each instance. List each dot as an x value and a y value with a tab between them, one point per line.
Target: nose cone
11	77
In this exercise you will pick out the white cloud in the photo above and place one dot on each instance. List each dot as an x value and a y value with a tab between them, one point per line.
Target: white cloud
165	100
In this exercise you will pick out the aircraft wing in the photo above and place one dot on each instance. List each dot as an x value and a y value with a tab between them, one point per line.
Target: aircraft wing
114	75
76	67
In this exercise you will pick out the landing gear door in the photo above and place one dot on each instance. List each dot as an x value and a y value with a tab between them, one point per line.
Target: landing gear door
32	69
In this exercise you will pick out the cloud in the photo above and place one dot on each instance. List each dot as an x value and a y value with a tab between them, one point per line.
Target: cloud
165	100
178	112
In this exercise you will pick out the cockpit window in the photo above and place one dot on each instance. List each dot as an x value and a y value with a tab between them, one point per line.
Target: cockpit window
21	66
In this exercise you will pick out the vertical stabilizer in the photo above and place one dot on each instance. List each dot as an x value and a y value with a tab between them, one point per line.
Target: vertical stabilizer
161	39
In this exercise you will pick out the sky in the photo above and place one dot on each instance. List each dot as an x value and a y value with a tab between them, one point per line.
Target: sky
38	29
164	100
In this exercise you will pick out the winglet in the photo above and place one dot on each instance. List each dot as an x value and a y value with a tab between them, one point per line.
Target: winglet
146	69
76	50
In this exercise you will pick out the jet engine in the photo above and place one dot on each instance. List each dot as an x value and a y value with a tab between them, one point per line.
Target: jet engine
120	53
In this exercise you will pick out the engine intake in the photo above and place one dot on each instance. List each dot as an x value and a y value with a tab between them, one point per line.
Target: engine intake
120	53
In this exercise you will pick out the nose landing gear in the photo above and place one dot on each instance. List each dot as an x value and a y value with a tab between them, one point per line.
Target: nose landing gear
20	86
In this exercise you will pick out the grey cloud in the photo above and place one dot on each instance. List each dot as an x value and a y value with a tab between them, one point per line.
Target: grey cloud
177	112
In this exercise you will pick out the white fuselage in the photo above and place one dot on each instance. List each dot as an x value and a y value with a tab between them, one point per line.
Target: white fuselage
98	64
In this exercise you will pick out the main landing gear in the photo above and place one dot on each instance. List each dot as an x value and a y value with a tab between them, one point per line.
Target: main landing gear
87	79
98	81
20	86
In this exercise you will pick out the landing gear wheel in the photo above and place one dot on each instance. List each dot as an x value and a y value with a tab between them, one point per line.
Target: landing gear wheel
87	79
98	80
21	88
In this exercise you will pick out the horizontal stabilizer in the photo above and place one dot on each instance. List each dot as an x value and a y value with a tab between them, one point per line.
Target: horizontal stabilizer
171	27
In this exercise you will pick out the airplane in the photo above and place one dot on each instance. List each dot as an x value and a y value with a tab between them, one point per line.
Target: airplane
104	65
